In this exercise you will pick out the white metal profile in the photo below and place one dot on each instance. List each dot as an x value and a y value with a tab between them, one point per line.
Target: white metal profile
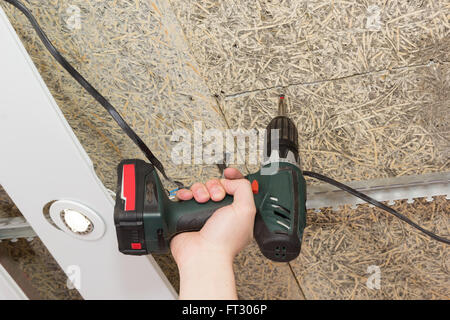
9	290
41	160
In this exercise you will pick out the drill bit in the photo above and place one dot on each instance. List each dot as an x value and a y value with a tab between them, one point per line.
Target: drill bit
282	108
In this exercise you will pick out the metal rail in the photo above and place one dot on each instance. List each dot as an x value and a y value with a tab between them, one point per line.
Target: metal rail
386	189
14	228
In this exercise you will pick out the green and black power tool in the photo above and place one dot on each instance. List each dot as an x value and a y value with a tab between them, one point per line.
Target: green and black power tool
146	219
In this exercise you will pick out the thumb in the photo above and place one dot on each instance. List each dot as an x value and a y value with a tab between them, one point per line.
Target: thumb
243	195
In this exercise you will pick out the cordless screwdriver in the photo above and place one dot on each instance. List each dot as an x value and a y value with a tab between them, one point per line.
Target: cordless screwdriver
146	219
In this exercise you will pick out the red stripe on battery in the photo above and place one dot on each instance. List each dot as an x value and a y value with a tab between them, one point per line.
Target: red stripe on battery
129	187
136	246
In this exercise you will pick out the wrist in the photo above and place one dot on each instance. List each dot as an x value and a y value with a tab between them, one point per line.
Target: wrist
207	276
187	250
205	258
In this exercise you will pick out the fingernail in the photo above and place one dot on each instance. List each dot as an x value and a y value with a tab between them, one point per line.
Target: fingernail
216	192
182	193
216	189
202	193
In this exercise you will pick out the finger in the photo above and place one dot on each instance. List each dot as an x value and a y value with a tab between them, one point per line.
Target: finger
200	192
184	194
216	190
242	192
232	174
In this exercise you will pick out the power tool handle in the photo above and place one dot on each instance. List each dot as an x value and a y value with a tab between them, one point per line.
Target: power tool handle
190	215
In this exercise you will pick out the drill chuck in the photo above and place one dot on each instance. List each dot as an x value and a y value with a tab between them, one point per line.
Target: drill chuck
288	137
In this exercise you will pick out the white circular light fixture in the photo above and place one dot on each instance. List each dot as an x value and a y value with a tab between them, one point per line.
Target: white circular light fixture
77	220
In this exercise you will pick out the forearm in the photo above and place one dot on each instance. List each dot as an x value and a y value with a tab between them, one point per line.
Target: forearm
207	277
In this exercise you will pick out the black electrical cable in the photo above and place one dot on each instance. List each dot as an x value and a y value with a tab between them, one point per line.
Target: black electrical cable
376	203
91	90
155	162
